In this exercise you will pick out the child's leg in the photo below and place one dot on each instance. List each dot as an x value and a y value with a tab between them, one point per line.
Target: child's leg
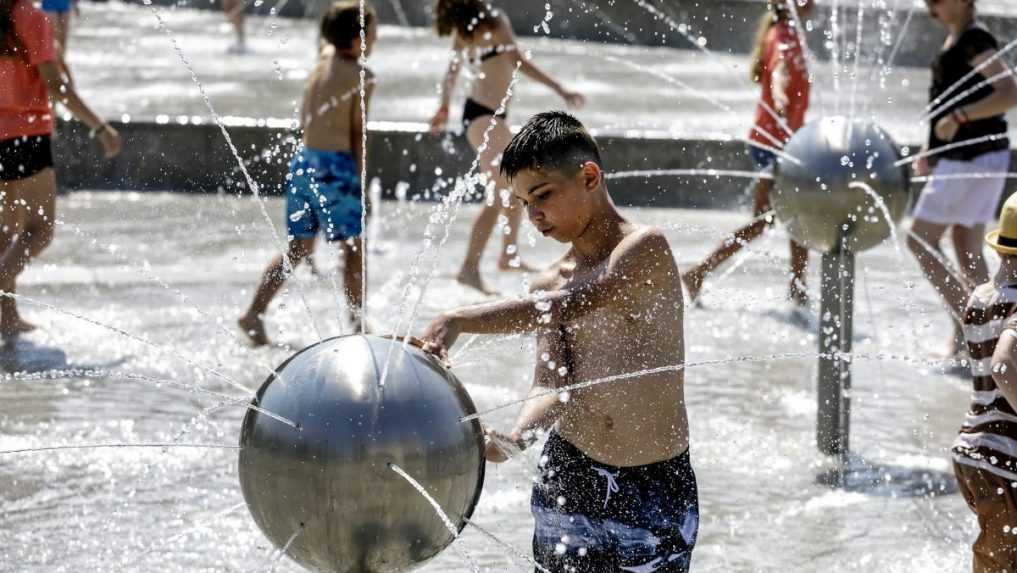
694	278
950	289
234	10
926	235
353	283
799	263
271	281
967	242
483	225
31	206
992	499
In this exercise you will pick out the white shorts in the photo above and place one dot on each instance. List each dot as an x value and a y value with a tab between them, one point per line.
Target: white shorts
950	199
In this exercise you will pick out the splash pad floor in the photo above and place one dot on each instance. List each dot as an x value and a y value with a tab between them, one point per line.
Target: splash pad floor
182	287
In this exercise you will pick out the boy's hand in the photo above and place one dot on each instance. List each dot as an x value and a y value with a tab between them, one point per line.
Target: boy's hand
574	100
109	138
440	120
440	335
499	448
946	128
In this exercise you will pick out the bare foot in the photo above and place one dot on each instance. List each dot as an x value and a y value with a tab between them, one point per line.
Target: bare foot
797	294
15	327
693	282
506	264
254	328
472	279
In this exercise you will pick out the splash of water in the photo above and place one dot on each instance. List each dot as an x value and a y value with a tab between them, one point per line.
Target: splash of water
161	445
99	374
278	555
954	176
854	72
640	373
956	145
362	62
439	512
646	173
519	554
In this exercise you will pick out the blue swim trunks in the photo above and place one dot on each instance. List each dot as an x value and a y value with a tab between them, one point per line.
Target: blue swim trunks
59	6
594	518
323	194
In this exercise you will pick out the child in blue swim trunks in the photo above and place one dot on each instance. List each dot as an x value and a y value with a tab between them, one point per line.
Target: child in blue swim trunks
323	191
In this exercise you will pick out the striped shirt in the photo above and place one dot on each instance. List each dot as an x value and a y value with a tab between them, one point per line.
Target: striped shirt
988	437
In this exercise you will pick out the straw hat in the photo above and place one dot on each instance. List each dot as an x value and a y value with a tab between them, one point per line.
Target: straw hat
1004	239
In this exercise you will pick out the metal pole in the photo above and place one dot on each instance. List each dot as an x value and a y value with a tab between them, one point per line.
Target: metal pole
833	415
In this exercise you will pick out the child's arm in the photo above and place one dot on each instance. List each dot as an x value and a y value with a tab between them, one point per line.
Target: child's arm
63	91
572	99
1004	365
1001	100
636	260
448	85
543	406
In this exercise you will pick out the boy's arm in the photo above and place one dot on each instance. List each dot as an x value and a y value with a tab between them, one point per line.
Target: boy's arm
1004	364
531	70
448	85
636	260
541	409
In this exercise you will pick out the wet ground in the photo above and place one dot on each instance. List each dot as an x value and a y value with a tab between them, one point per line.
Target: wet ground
125	54
168	303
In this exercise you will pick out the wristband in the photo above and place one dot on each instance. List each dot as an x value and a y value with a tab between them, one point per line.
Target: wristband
958	116
97	130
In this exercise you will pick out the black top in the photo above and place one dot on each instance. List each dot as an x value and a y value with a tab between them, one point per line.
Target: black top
948	68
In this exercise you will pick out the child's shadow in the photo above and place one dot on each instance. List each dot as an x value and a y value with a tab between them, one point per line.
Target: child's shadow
856	474
21	355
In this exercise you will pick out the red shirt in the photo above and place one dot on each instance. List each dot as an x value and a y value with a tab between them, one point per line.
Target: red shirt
782	45
24	103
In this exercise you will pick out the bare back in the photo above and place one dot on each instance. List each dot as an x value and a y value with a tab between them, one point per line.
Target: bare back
493	74
643	419
330	101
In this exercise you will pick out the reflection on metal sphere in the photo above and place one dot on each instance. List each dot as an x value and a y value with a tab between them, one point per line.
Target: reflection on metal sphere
822	197
330	479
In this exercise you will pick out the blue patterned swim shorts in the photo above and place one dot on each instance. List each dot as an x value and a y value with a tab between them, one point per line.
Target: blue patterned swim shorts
323	194
594	518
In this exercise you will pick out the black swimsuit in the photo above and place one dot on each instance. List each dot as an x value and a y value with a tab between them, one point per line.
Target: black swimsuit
472	109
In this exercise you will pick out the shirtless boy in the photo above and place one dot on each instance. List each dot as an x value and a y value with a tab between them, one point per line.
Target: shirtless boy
616	490
324	192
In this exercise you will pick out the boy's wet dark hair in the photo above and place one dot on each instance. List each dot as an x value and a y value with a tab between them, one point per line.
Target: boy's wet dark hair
550	141
340	25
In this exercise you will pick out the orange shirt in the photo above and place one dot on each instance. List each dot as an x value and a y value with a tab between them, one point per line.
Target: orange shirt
782	45
24	104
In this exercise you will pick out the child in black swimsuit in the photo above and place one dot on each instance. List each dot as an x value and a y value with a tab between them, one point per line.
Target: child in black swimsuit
485	35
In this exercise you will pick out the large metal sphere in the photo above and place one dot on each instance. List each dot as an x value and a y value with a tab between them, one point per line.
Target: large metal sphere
331	477
818	197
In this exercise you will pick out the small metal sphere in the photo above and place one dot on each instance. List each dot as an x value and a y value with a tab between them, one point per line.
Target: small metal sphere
819	192
327	487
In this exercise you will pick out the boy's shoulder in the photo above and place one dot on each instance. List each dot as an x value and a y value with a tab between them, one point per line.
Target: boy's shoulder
643	240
